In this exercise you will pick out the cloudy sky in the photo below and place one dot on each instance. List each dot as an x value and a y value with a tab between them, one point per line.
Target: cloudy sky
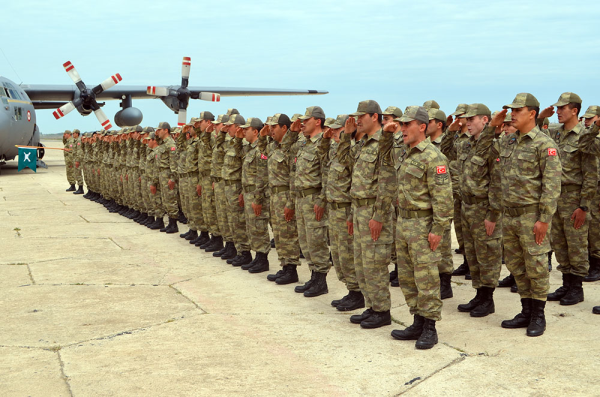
397	52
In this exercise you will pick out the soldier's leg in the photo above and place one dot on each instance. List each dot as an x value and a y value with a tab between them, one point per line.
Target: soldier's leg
594	240
576	239
337	239
256	228
284	232
316	236
238	219
514	253
169	197
457	219
208	206
469	243
446	264
361	241
221	207
302	227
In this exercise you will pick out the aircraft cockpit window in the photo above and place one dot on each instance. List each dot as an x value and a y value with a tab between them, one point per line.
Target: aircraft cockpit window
2	92
12	91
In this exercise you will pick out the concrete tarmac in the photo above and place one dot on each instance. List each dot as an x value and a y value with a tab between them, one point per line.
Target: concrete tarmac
96	305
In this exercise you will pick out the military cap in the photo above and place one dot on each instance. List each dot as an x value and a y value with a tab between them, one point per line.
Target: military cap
521	100
76	131
418	113
138	128
546	121
67	132
148	129
295	117
279	119
329	121
164	124
152	135
253	122
223	118
460	109
232	111
313	111
368	106
477	109
176	130
431	104
591	112
393	110
340	121
206	116
269	119
566	98
436	114
508	118
236	119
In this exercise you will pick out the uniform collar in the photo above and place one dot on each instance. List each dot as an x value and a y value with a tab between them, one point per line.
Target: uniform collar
315	138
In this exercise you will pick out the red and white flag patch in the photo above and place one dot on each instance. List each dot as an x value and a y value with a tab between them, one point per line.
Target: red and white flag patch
295	159
551	152
498	159
173	149
441	169
263	156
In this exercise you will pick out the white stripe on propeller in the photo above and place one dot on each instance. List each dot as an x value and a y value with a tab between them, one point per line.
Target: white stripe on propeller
63	110
185	67
72	72
111	81
104	121
210	96
157	91
182	117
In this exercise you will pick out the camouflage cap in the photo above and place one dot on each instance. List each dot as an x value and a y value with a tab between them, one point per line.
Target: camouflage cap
508	118
148	129
279	119
222	118
253	122
176	130
566	98
313	111
152	135
295	117
235	119
591	112
67	132
194	120
393	110
546	121
411	113
269	119
367	107
431	104
476	109
460	109
521	100
436	114
232	111
329	121
76	131
340	121
164	124
138	128
206	116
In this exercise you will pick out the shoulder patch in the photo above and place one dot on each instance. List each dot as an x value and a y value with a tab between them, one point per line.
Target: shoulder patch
441	169
263	156
551	152
172	148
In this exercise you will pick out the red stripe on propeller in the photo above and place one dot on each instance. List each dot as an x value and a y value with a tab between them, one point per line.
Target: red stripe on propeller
55	114
107	121
119	77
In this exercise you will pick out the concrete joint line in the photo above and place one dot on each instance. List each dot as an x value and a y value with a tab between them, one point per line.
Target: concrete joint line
188	298
84	219
110	238
30	275
450	364
62	372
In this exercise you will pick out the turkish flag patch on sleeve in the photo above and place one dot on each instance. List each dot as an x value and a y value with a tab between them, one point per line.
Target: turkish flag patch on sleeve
551	152
173	149
441	169
263	156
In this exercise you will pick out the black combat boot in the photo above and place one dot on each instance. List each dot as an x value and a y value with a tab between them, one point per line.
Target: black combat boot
514	288
203	237
208	242
139	218
184	235
217	254
243	258
172	227
134	215
575	293
429	337
289	276
337	302
550	261
445	286
247	266
71	188
216	245
473	303
522	319
149	222
596	310
114	208
261	264
272	243
486	304
230	251
79	191
192	236
412	332
507	281
394	282
318	286
359	318
594	272
158	224
355	300
377	320
561	291
537	326
301	288
181	218
275	276
88	195
462	269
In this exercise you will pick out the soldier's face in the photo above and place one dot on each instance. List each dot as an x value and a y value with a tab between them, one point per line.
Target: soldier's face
278	132
388	118
521	117
412	132
565	113
232	129
309	126
590	120
336	134
476	124
432	127
364	123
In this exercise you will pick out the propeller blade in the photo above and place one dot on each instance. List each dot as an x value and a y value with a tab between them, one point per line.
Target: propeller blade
210	97
157	91
108	83
63	110
182	117
185	67
104	121
72	72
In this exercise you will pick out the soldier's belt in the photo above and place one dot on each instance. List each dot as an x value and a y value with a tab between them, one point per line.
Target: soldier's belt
414	214
528	209
337	206
216	179
309	191
471	200
229	183
249	188
363	202
279	189
569	188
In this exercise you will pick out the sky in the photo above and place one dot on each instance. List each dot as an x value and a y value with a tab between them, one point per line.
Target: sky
398	53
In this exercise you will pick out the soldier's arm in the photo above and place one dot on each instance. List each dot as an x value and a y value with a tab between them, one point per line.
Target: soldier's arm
551	174
589	141
447	144
386	153
289	139
494	190
262	177
386	192
343	152
320	197
440	191
589	168
262	144
484	144
172	161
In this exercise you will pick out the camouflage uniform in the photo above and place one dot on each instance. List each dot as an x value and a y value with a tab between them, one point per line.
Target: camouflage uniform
222	140
167	162
152	172
209	210
69	159
193	201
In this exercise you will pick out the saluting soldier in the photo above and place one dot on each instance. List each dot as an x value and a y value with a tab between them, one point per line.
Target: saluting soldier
69	162
167	169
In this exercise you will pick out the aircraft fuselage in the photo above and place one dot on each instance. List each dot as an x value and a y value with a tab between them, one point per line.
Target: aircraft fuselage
17	119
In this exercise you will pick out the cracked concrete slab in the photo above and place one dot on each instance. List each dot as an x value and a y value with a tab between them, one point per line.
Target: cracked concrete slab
14	275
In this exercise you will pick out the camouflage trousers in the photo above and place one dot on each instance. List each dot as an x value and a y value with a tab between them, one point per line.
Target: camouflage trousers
70	168
185	199
526	261
570	245
418	267
394	257
371	258
342	247
312	235
168	196
144	193
156	202
594	229
483	252
457	218
235	215
257	227
209	209
221	206
285	233
78	174
134	179
195	205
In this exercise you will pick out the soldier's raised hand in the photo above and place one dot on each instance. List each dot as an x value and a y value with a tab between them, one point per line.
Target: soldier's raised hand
498	119
350	125
296	126
391	127
548	112
265	130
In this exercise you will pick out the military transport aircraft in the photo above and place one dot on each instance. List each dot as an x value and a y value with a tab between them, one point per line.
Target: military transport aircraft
19	102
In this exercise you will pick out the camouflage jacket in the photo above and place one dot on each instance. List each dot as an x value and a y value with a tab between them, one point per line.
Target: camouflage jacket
166	157
232	164
450	142
152	166
280	161
309	169
339	176
70	153
205	150
254	171
218	155
189	158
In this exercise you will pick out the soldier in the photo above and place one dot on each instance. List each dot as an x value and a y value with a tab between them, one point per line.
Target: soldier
592	114
372	191
143	178
310	202
152	172
435	132
579	182
69	162
531	171
481	201
188	177
167	168
77	161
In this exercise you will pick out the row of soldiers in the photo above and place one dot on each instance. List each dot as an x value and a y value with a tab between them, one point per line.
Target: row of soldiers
377	187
